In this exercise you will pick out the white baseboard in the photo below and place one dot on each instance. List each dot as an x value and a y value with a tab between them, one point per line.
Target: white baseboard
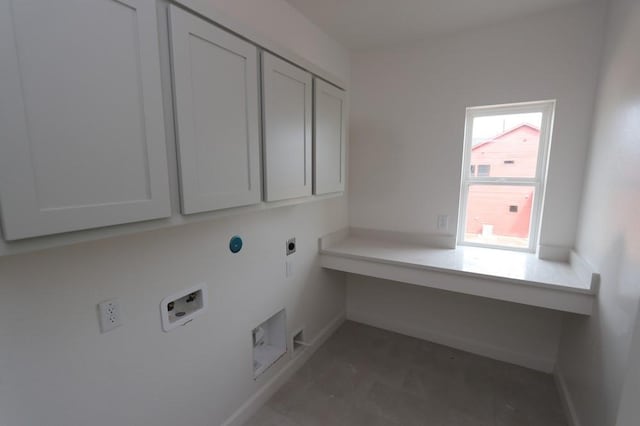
565	397
473	346
253	404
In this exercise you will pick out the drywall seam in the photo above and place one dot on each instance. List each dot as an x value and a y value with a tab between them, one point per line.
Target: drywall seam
251	405
545	365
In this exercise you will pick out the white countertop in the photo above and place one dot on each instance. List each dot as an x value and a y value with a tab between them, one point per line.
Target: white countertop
485	270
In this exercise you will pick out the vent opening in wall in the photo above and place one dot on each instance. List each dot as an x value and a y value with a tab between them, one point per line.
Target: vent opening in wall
269	342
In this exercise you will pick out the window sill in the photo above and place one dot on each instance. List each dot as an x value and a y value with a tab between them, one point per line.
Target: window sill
497	274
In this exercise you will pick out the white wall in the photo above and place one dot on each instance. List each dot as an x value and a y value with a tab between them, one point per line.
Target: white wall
519	334
594	352
408	111
629	411
285	25
407	121
56	369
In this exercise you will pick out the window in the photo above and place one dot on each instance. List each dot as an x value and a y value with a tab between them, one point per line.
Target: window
508	146
484	169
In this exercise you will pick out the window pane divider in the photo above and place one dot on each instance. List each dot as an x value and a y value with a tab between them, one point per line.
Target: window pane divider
501	181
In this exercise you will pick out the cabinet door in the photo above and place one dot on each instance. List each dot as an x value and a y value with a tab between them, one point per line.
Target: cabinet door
81	119
329	138
215	78
287	129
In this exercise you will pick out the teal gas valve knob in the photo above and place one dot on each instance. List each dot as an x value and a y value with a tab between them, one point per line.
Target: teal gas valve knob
235	244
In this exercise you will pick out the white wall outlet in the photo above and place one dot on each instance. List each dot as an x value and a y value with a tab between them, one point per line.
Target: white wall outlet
443	222
110	315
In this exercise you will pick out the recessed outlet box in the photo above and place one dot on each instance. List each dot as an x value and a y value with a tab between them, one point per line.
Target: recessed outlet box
181	308
291	246
269	342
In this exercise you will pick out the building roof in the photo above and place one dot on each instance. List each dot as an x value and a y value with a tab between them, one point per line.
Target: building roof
505	133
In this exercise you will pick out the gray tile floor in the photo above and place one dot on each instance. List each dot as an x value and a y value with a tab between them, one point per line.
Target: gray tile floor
367	376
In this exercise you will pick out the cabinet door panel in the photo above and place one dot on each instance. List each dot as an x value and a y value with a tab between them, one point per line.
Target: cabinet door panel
83	141
216	87
287	129
329	139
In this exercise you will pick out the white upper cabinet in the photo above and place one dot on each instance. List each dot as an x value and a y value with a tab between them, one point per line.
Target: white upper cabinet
82	141
329	138
215	77
287	93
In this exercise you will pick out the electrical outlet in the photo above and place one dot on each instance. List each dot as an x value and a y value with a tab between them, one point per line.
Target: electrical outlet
443	222
291	246
110	315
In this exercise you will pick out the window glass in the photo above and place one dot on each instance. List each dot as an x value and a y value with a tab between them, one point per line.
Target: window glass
484	170
506	144
505	154
499	215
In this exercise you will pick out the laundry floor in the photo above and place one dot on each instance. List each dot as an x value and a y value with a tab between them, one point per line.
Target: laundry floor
367	376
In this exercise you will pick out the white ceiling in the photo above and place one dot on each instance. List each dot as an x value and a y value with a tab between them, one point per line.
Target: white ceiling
362	24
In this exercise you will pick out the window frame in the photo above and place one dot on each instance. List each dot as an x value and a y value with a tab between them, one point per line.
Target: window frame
547	108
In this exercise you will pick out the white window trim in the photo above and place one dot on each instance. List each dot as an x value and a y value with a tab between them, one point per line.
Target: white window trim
547	108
